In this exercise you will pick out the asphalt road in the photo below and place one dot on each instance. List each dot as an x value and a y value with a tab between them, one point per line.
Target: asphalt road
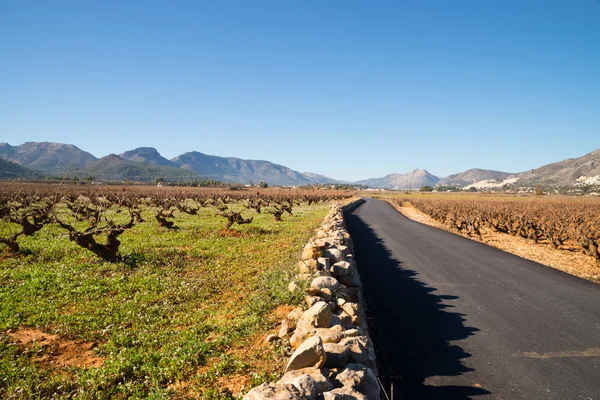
452	318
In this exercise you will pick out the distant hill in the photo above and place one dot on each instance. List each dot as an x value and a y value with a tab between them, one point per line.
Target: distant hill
472	176
147	156
114	168
570	172
230	169
415	180
46	156
320	179
12	170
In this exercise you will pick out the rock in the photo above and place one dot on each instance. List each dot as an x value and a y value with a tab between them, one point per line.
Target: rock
345	250
351	333
320	376
345	393
293	287
331	335
307	266
330	283
344	317
354	294
318	316
328	335
326	294
321	272
323	263
274	391
311	251
271	338
307	386
284	329
311	291
351	309
352	280
360	378
334	254
309	354
341	268
337	355
295	314
336	321
361	350
312	300
321	242
333	306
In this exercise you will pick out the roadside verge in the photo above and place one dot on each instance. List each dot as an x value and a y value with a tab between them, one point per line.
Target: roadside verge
333	354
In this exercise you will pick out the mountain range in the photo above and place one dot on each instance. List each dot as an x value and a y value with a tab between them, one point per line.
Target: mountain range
145	164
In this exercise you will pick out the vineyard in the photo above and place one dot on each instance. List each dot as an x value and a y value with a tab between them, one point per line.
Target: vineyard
568	225
145	292
89	214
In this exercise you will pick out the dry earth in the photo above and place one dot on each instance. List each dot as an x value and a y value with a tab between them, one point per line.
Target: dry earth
57	352
574	263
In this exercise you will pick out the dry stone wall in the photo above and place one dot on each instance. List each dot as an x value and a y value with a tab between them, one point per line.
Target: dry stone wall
333	355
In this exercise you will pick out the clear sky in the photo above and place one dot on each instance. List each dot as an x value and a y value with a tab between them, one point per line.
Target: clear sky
347	89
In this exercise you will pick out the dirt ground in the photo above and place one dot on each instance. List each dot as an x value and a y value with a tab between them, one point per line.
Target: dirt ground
57	352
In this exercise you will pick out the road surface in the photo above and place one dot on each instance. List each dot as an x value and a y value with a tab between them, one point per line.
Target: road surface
452	318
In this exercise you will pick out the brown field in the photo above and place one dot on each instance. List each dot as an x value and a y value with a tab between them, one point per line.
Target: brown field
558	231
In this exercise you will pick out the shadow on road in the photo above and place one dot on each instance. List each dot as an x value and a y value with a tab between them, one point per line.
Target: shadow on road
410	326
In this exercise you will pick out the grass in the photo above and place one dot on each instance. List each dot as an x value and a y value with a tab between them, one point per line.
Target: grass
183	315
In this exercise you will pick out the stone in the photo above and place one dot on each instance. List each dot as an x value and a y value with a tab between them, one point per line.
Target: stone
321	242
360	378
295	314
345	393
337	355
320	376
361	350
326	294
274	391
323	263
271	338
307	386
319	315
307	266
351	309
351	333
311	251
284	328
329	335
293	287
341	268
352	280
354	294
333	306
322	272
309	354
312	300
334	254
344	249
330	283
311	291
344	317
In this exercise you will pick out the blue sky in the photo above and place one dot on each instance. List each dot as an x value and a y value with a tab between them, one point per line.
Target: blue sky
347	89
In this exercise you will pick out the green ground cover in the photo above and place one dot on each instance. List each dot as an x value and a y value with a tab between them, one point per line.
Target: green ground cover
183	315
